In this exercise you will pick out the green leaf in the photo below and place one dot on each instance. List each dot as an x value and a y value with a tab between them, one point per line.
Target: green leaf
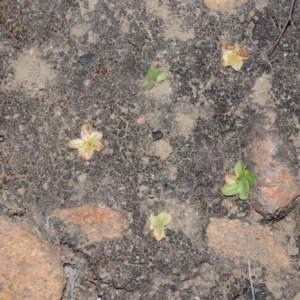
160	229
243	195
164	218
239	169
161	76
249	175
153	221
152	74
149	85
243	185
230	189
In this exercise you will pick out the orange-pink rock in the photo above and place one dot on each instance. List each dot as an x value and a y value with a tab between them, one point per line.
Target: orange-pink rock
141	120
278	186
97	223
247	241
29	267
225	6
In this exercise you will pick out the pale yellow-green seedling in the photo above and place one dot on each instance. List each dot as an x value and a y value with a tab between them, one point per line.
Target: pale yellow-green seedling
233	56
90	141
158	223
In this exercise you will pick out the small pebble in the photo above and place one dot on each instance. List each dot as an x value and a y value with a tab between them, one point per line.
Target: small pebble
85	58
2	138
157	135
141	121
63	103
45	186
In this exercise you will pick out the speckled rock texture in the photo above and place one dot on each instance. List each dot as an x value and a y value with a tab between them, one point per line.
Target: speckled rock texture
30	268
96	213
247	242
96	223
275	165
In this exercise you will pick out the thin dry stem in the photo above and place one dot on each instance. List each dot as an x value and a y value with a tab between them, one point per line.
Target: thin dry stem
250	278
287	22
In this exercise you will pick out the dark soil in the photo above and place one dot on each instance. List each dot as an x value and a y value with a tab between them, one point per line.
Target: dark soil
201	109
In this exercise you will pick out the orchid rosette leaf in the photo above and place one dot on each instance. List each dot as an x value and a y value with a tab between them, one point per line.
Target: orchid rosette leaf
239	182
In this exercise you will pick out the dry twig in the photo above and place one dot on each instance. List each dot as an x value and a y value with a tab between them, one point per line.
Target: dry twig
287	22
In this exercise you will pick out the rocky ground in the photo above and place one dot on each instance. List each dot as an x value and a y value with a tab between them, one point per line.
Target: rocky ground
73	229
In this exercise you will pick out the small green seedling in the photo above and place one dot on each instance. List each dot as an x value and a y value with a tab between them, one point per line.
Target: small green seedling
158	223
155	76
239	183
